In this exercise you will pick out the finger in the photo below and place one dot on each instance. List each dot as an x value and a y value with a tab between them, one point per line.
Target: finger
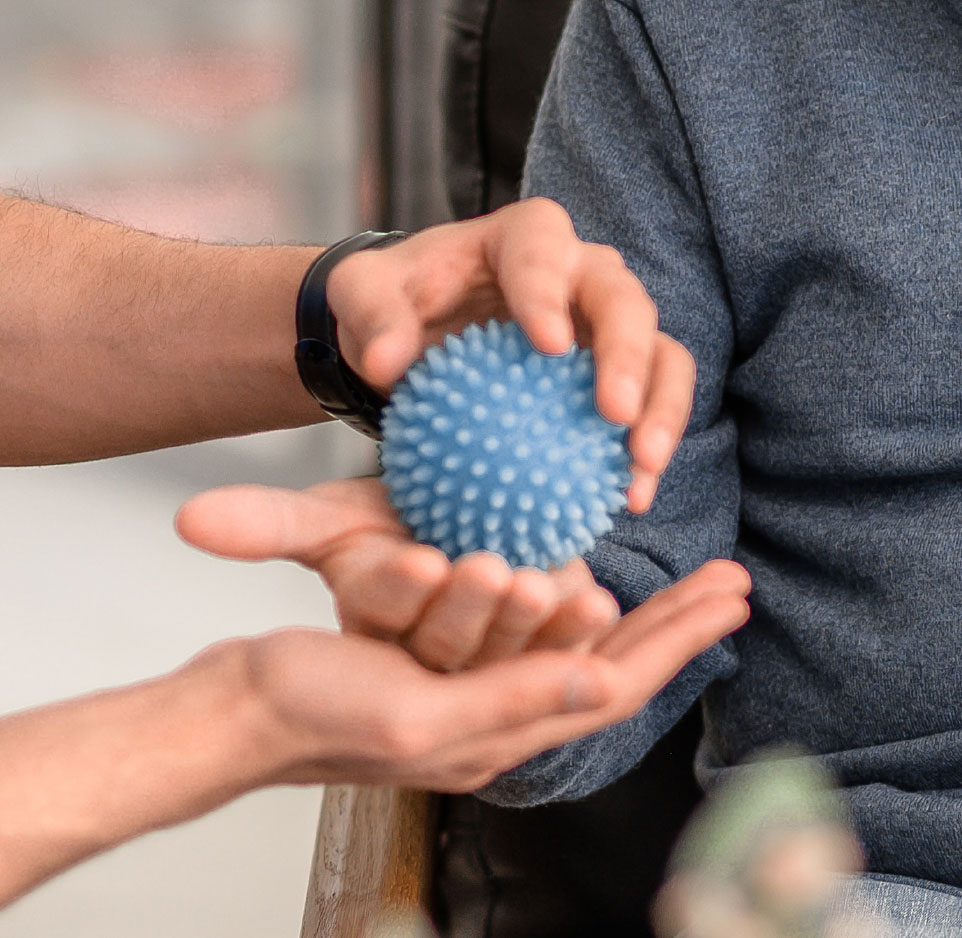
453	625
381	585
714	578
532	598
433	714
516	692
379	330
573	578
656	435
245	522
633	679
622	321
530	246
667	405
345	531
547	600
391	303
661	651
528	718
581	622
253	522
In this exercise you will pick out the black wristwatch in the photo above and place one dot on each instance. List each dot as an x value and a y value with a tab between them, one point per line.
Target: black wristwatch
339	390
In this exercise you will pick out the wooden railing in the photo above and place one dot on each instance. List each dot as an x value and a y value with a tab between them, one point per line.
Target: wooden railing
372	863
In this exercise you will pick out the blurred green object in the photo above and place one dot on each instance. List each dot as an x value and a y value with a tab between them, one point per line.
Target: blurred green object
763	857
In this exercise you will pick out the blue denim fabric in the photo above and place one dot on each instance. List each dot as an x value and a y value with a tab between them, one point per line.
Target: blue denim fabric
882	906
786	179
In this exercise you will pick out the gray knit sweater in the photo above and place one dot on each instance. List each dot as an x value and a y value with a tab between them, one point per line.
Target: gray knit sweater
786	178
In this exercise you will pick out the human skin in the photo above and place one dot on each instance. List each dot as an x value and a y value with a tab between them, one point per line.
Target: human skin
115	341
448	615
303	706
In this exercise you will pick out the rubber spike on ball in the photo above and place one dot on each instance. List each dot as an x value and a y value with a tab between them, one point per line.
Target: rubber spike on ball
489	444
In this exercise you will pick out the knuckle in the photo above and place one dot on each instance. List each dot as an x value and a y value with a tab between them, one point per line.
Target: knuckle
443	652
607	255
432	291
725	608
550	211
545	270
512	628
532	596
681	357
606	605
648	311
404	740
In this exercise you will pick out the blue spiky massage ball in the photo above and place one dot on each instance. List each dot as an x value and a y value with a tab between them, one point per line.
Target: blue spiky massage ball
488	444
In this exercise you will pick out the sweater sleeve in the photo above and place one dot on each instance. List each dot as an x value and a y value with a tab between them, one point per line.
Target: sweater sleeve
610	145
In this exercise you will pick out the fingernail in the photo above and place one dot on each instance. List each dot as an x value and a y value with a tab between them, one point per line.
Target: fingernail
584	692
642	492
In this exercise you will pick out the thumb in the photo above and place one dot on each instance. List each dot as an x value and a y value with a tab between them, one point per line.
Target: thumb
389	352
378	329
256	522
245	522
521	691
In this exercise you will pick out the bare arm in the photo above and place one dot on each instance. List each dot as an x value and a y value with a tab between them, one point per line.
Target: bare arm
114	341
304	706
85	774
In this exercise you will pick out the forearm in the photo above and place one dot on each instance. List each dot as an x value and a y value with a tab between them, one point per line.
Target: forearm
114	341
81	776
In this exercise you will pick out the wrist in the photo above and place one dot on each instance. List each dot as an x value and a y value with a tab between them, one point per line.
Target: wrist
264	283
250	747
199	737
88	774
339	390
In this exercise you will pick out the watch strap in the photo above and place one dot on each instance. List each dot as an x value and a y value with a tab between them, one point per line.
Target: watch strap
339	390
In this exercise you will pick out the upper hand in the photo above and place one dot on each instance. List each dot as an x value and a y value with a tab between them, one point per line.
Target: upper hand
523	262
447	615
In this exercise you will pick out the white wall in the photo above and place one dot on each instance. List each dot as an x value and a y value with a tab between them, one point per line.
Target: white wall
223	119
97	590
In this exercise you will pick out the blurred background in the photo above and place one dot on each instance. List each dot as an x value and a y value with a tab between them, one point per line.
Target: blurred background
225	120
